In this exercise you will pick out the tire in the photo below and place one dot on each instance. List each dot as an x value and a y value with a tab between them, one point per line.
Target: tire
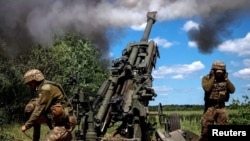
174	122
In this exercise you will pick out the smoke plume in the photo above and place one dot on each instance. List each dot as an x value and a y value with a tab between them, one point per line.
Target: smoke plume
25	23
212	29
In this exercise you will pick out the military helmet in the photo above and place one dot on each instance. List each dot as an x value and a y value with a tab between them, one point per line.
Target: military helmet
33	75
219	65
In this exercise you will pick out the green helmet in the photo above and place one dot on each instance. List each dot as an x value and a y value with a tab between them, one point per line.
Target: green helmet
219	65
33	75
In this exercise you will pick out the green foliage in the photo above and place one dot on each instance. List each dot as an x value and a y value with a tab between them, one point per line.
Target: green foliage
243	111
80	61
70	58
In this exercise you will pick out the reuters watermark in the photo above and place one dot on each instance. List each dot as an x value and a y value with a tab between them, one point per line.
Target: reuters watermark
220	132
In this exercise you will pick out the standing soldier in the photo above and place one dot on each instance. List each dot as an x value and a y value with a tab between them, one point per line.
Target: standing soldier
217	88
51	107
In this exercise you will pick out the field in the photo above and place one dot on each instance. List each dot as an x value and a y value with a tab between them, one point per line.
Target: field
190	120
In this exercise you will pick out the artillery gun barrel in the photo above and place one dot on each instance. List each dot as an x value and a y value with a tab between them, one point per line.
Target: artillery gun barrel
108	93
150	21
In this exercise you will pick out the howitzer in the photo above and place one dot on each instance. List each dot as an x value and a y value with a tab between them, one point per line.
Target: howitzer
127	92
124	97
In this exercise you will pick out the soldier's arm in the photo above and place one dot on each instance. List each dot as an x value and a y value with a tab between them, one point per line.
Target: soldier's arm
35	115
230	86
207	83
42	104
48	94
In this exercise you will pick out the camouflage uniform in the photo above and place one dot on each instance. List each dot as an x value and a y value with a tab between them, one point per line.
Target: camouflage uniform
29	108
217	88
51	105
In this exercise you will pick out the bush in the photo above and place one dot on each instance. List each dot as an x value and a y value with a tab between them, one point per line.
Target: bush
243	112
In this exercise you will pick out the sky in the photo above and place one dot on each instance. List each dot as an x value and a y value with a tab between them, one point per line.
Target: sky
177	75
190	34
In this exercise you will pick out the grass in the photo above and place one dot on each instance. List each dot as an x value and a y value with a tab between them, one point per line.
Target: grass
13	133
189	120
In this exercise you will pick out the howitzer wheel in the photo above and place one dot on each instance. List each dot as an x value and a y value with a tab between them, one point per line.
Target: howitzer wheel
174	122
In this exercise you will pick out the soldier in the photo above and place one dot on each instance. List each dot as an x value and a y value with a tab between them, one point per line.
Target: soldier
51	107
217	88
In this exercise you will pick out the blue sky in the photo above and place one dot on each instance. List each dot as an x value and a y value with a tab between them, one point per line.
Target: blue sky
112	24
177	76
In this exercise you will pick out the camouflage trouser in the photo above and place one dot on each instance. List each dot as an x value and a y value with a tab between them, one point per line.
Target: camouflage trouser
62	132
59	133
212	116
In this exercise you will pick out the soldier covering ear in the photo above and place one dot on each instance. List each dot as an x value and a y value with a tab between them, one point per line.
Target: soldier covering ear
217	89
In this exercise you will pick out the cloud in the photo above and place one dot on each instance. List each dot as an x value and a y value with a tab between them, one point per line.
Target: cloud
243	74
178	71
162	42
239	46
192	44
235	64
190	25
178	76
162	89
246	62
139	27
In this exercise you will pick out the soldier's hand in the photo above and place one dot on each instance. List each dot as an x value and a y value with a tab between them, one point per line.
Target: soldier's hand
211	74
226	76
23	128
